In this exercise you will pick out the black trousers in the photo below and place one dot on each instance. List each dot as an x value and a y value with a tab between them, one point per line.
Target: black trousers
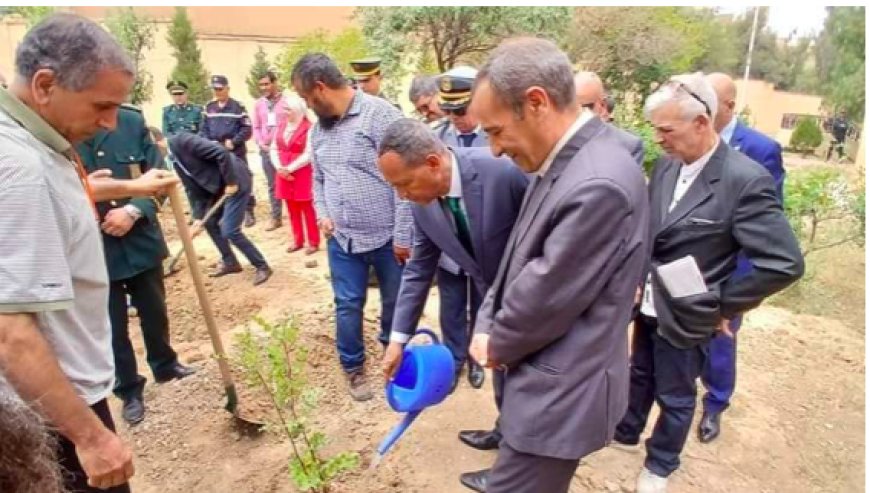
517	472
665	374
149	297
74	478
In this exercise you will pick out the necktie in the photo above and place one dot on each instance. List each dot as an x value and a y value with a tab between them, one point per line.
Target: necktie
461	221
467	139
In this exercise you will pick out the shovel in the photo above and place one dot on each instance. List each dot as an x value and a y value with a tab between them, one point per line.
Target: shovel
246	425
171	269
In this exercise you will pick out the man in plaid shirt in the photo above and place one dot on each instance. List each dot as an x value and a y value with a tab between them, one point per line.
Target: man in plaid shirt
358	211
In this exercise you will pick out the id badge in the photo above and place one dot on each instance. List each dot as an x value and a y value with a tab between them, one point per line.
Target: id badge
271	121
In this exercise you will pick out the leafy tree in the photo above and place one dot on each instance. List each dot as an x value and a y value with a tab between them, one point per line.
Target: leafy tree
451	35
347	45
136	34
806	136
840	60
31	14
633	48
258	70
188	68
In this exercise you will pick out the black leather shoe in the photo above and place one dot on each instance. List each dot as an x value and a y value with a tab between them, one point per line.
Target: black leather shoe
133	410
262	275
480	439
708	429
475	480
250	220
223	270
177	371
476	376
455	382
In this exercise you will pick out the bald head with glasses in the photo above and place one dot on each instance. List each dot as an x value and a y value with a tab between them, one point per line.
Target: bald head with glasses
682	111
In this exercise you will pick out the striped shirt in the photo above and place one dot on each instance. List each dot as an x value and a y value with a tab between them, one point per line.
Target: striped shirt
51	251
349	188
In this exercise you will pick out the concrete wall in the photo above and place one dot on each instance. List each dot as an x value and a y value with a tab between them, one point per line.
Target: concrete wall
767	107
227	36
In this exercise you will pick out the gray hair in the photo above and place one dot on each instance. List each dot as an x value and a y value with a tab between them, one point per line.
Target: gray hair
412	140
683	89
520	63
74	48
423	85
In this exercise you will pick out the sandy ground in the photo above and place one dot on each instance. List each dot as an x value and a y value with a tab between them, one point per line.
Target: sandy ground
796	423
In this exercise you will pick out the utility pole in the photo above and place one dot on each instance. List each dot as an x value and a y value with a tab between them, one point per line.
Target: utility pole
742	98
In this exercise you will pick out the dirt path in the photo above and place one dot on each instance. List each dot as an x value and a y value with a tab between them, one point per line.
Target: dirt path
796	423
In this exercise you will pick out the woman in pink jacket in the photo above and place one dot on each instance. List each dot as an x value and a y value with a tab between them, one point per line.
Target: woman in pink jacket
294	181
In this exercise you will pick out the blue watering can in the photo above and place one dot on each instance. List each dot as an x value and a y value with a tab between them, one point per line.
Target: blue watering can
424	379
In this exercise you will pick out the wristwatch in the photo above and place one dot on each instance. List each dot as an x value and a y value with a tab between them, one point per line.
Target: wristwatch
133	211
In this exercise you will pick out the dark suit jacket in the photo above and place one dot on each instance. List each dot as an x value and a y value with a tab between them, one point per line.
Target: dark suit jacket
205	169
449	135
558	310
492	190
128	146
731	205
761	149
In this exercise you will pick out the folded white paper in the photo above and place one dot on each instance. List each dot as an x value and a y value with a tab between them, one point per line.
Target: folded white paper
682	277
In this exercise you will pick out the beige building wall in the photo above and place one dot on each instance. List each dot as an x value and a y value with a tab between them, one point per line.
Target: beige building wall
228	38
767	107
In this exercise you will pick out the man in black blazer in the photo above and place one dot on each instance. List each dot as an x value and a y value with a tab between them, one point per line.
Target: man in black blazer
708	201
208	170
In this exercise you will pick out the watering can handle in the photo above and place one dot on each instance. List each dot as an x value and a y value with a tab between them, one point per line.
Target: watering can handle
429	333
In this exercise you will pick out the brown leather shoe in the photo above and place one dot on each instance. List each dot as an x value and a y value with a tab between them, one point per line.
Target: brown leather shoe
262	275
273	224
359	386
293	249
223	270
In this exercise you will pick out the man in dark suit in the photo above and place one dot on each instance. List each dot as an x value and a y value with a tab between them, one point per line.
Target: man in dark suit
208	170
709	202
591	95
466	201
463	130
556	313
134	249
720	370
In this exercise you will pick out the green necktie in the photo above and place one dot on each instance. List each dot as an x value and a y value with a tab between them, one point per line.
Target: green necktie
461	221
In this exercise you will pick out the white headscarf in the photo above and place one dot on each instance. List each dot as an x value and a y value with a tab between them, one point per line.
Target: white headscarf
294	104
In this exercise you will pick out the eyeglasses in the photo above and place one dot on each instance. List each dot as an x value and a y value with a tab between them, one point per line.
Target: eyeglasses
692	93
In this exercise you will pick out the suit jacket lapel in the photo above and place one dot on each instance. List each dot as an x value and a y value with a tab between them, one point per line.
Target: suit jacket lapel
472	195
737	136
563	158
699	191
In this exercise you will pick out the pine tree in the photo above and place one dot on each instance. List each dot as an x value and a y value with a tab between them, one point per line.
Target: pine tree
188	68
136	35
258	70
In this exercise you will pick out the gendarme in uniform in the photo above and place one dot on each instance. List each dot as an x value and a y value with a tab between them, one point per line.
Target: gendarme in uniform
51	252
181	117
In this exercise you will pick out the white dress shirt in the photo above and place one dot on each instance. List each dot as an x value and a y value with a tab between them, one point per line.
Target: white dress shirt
582	119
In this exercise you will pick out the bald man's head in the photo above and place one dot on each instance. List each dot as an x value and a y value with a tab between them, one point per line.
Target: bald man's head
726	94
590	93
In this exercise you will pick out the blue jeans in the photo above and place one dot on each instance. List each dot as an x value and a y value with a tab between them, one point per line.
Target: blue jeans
225	227
350	273
665	374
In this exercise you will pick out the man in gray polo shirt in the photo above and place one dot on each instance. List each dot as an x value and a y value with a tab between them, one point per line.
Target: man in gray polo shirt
55	340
